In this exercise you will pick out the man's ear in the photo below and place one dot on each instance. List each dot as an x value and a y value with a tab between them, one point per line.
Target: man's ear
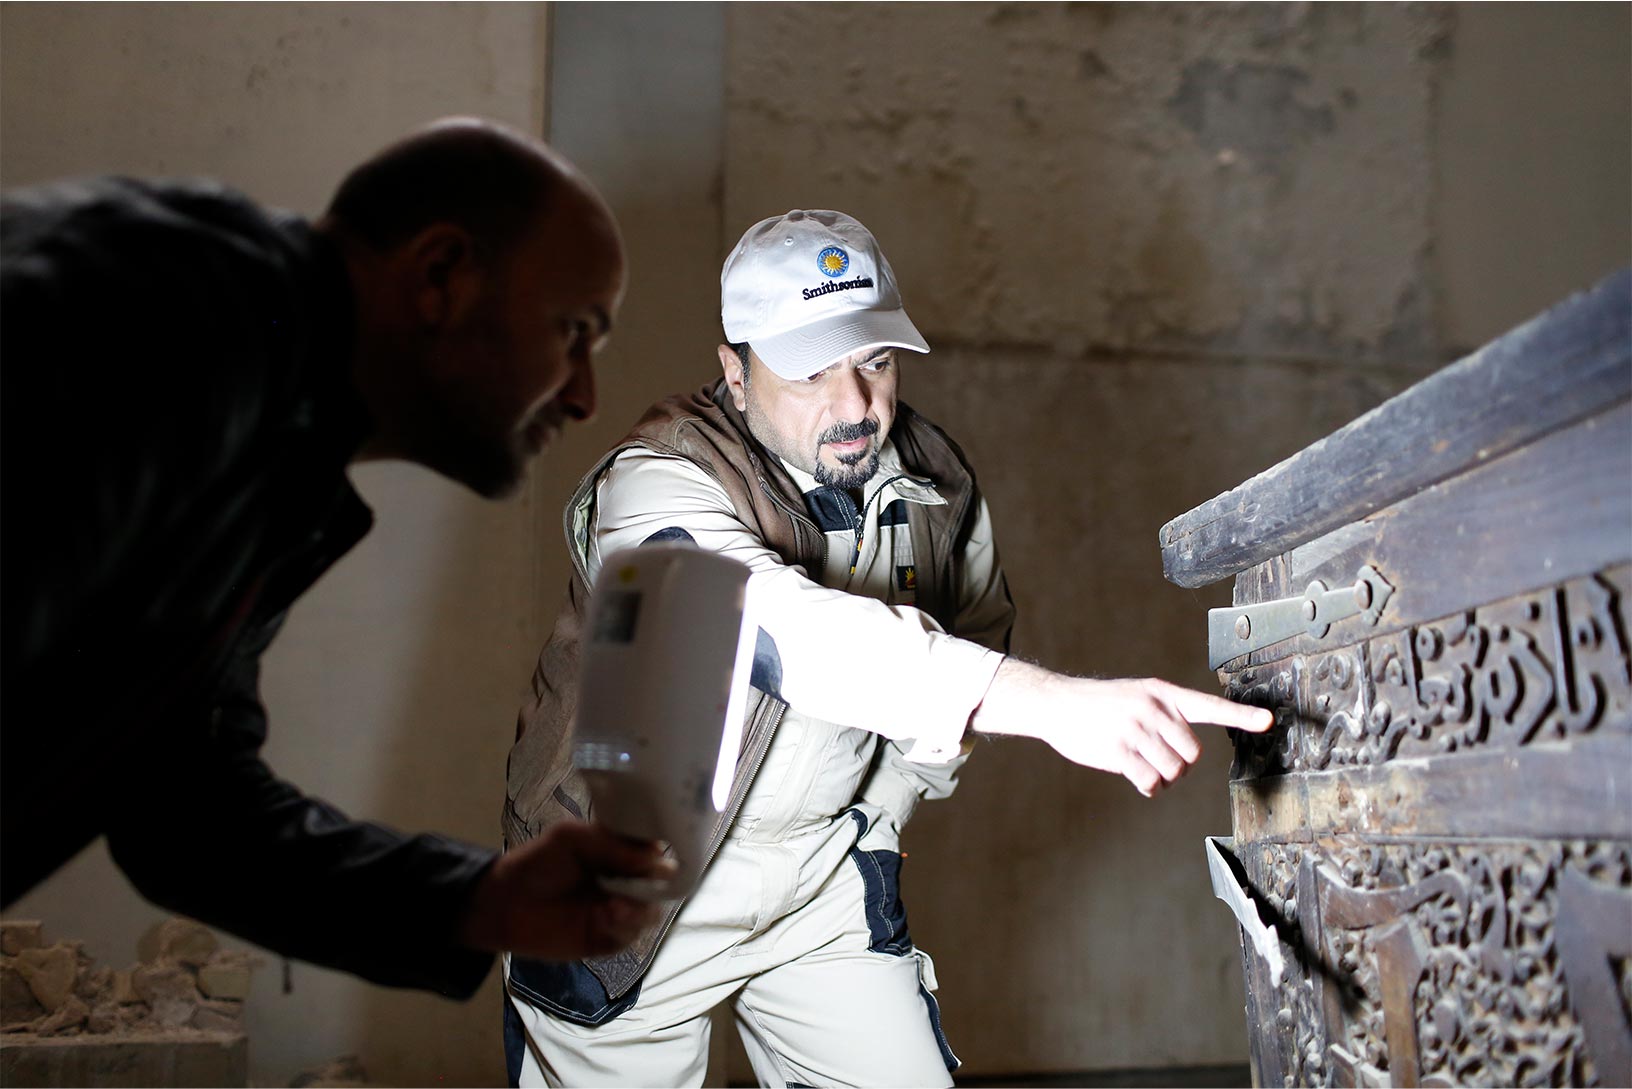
731	364
446	274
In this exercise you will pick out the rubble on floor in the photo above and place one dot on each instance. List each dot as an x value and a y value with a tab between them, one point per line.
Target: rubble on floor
182	980
346	1072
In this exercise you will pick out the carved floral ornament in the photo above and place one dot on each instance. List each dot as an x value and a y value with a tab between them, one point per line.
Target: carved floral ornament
1422	957
1448	965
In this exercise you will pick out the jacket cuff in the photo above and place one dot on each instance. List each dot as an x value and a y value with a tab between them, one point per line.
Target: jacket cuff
459	973
448	968
959	673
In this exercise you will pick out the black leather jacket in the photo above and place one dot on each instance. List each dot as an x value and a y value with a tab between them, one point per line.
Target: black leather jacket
177	419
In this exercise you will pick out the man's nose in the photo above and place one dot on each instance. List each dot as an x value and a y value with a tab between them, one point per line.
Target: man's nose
577	397
850	396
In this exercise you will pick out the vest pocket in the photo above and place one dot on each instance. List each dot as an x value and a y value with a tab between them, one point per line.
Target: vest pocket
569	991
566	801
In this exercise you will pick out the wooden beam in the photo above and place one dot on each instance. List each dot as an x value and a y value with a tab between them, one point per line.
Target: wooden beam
1573	361
1544	791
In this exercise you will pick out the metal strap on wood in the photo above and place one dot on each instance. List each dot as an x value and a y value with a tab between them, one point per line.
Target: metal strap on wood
1245	628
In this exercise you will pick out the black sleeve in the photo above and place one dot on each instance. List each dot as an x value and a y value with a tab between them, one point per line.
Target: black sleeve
146	337
210	832
141	339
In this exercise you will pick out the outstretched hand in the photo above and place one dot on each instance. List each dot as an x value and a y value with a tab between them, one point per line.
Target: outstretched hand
542	899
1138	729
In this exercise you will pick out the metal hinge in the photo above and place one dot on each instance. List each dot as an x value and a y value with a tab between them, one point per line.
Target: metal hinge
1245	628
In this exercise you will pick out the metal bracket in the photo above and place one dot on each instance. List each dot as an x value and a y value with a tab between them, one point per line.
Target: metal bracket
1246	628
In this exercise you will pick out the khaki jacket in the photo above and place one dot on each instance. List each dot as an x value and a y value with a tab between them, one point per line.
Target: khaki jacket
706	429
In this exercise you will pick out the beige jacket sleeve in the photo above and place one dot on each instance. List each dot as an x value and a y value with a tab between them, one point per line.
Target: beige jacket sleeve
985	616
845	658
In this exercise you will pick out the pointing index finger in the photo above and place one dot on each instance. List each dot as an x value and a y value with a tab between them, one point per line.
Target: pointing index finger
1203	707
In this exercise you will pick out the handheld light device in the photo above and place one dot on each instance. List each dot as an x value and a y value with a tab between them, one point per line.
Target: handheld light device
667	651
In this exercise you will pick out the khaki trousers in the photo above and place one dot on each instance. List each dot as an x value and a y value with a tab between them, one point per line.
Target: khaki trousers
786	934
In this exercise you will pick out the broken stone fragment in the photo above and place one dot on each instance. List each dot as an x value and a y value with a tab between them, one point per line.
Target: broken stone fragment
347	1070
50	972
21	934
237	956
18	1006
173	1012
130	1018
163	979
225	979
169	991
124	990
95	984
179	939
104	1018
66	1019
219	1017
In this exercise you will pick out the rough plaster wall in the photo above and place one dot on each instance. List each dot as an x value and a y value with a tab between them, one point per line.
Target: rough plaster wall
636	101
1534	161
1156	248
1072	920
393	689
1103	177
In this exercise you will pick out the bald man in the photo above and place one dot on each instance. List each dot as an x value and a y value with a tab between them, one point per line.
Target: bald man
187	379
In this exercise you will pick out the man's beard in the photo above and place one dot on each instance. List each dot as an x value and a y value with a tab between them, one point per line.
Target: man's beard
854	470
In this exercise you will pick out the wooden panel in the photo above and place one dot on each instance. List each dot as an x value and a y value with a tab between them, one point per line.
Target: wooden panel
1559	792
1423	962
1439	826
1571	362
1515	674
1554	510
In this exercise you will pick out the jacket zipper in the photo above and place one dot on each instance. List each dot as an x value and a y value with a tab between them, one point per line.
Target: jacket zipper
861	516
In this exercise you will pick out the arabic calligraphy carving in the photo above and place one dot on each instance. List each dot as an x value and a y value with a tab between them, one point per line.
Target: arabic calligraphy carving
1540	666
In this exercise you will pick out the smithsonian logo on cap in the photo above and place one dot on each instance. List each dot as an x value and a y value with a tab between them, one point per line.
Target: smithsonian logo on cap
833	262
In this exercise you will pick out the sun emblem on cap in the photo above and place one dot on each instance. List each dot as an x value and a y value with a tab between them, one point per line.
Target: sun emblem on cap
833	261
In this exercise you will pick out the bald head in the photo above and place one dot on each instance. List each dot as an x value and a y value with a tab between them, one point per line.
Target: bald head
485	273
493	182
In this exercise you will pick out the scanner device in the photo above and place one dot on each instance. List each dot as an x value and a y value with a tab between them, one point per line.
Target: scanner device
666	654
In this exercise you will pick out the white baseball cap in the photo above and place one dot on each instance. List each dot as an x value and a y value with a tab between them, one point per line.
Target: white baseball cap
811	287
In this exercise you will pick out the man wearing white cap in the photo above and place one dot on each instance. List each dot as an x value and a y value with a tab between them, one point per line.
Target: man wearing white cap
884	621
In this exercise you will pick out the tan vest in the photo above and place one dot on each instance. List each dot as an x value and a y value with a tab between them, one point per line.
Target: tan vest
542	787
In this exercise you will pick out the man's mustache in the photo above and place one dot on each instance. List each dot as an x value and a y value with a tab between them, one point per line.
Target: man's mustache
849	432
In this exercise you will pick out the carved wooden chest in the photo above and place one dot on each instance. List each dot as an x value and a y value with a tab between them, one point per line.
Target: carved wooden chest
1432	851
